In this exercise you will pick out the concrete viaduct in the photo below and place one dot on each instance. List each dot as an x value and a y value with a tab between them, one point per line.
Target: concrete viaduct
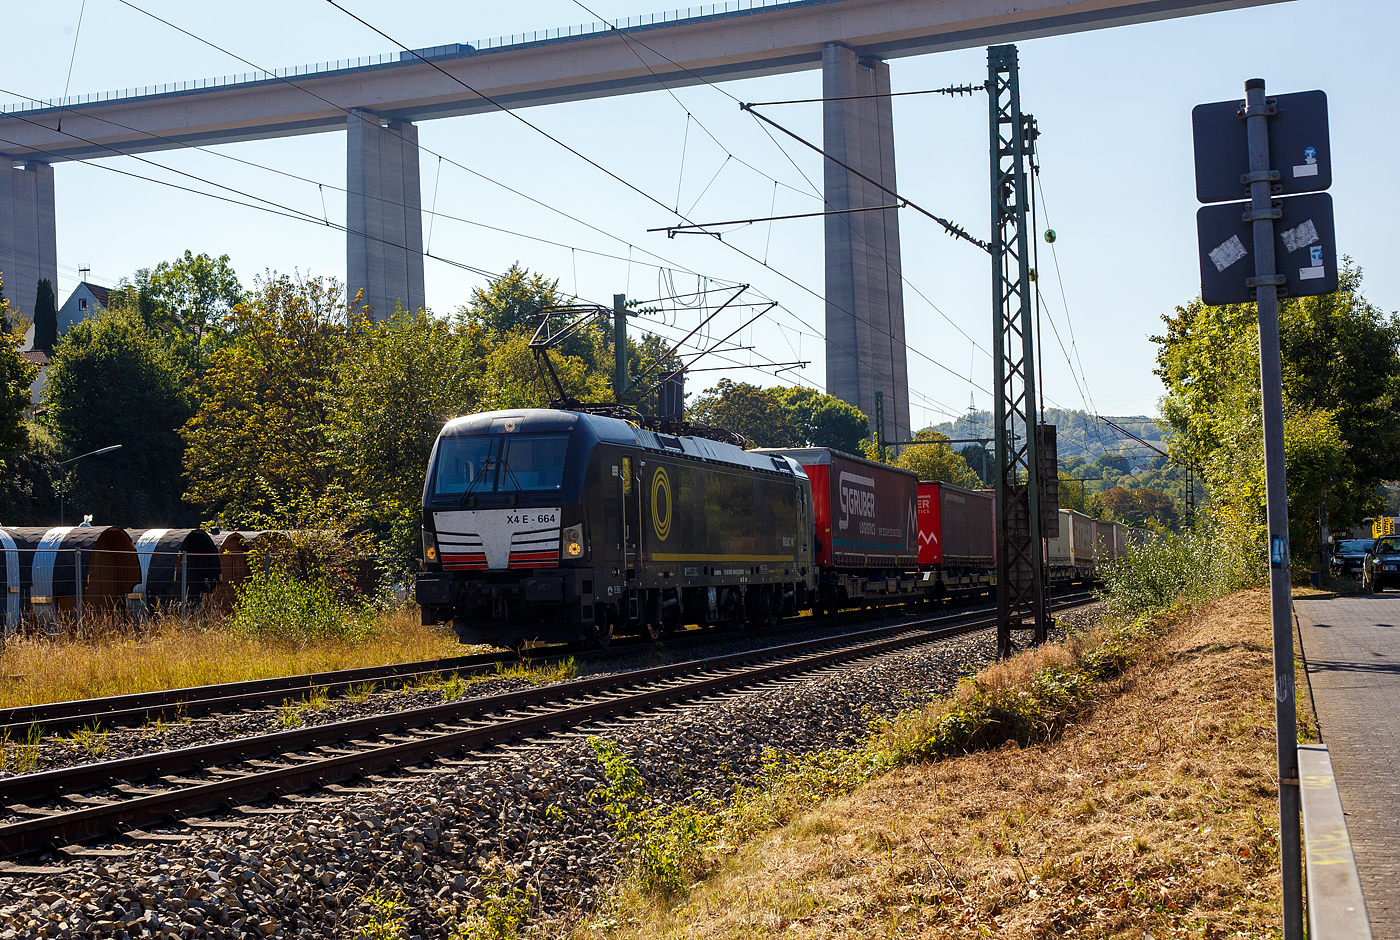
379	101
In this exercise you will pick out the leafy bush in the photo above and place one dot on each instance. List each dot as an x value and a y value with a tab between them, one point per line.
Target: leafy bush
1185	567
283	608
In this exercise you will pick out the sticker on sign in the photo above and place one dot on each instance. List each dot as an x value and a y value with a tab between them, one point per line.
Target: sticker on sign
1300	236
1228	253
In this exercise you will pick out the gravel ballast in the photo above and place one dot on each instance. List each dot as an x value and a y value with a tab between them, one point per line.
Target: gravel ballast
439	837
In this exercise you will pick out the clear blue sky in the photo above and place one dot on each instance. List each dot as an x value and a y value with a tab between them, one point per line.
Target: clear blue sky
1113	105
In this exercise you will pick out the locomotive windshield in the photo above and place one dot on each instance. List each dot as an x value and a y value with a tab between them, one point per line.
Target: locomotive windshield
467	465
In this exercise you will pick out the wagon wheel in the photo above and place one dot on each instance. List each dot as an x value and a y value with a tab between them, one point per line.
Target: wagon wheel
600	634
655	631
772	608
734	609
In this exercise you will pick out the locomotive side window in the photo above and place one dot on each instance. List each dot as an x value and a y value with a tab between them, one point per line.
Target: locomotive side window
465	465
534	462
626	476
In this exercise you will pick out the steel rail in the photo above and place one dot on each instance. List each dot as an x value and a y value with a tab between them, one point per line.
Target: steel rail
221	698
566	705
225	696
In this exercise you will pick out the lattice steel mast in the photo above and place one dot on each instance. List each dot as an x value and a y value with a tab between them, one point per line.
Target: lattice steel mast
1021	571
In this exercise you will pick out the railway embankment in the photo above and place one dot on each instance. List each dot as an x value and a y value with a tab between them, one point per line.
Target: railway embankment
464	847
1145	806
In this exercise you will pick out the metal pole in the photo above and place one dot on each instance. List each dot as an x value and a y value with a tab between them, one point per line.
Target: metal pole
78	581
1020	553
619	345
1276	489
880	424
184	586
267	564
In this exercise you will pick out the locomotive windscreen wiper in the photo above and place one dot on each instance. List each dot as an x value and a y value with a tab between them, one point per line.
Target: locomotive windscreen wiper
486	464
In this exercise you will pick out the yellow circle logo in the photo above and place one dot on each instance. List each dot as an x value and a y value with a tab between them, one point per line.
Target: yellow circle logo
661	503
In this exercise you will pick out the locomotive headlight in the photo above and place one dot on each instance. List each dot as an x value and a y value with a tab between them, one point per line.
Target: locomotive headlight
572	540
430	551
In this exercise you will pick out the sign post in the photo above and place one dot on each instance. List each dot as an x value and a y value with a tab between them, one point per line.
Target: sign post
1282	149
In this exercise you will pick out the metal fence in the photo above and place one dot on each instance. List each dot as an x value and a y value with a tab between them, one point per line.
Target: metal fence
389	59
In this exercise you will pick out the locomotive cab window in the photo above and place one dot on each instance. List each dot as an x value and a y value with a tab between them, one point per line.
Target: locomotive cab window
466	465
534	462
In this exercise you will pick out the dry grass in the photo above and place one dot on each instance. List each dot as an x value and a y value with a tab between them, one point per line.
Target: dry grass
1153	815
113	659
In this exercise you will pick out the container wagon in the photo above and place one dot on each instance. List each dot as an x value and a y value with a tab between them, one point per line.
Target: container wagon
1072	555
957	539
867	528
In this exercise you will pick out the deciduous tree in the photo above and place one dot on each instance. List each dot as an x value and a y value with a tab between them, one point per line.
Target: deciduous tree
112	381
819	420
258	441
16	375
937	461
1341	368
757	413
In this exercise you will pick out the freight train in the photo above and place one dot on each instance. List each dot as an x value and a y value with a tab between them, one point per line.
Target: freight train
565	525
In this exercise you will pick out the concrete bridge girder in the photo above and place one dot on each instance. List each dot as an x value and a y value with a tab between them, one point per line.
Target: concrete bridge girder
385	199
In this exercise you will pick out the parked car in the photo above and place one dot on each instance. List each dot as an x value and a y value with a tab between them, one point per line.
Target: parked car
1381	569
1348	556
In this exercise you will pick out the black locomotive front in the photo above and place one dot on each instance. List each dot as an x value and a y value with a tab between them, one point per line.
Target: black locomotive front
558	525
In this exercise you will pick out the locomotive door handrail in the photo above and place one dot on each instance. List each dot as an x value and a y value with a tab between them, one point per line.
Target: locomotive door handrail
631	516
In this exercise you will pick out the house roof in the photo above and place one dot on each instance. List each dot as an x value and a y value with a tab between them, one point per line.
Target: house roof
37	356
99	293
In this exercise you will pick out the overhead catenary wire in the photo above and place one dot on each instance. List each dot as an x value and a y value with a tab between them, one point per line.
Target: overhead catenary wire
514	115
632	41
432	213
289	214
631	248
288	81
648	196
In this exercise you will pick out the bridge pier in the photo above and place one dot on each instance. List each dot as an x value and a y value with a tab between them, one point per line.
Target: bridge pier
384	247
865	350
28	236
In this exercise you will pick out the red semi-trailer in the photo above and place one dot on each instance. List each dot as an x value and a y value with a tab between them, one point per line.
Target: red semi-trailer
865	511
867	522
957	527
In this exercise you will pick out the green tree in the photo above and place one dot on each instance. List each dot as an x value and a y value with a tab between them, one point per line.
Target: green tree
193	293
257	444
17	375
757	413
514	377
1143	507
936	461
112	381
45	317
819	420
513	301
1341	368
398	383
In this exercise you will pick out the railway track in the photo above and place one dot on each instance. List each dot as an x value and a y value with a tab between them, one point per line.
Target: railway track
224	698
85	803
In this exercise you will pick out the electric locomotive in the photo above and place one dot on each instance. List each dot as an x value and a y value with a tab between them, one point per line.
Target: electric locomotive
559	525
